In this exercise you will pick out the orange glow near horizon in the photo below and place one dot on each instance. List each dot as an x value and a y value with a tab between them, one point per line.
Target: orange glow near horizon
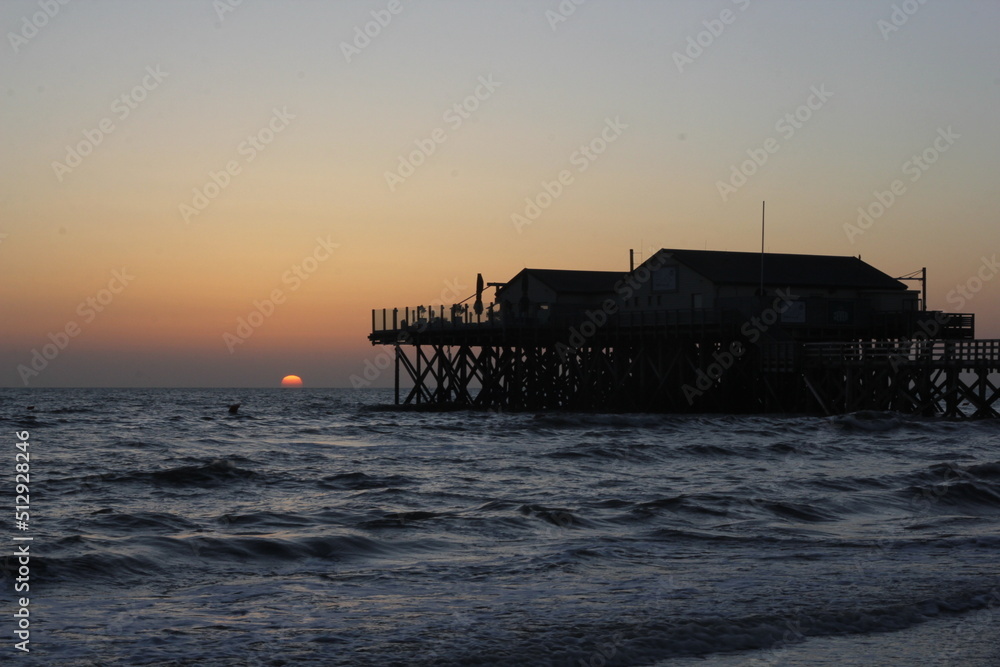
291	381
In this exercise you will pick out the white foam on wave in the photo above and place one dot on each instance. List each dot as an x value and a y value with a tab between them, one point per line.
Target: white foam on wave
970	640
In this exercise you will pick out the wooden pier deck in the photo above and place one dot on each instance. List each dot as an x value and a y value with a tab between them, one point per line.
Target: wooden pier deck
951	378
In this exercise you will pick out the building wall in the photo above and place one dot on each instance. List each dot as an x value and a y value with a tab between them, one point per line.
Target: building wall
675	287
672	286
538	292
664	284
894	301
541	294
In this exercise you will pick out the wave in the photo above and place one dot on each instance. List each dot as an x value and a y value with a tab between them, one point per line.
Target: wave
703	450
797	511
37	410
612	450
886	421
706	636
558	421
129	523
630	642
359	481
850	484
214	472
563	518
671	503
269	520
82	560
972	487
984	470
217	472
967	494
400	519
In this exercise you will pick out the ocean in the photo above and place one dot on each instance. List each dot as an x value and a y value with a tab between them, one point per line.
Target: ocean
325	527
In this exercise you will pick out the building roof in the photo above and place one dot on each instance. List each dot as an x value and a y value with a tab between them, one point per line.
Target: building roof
574	282
785	270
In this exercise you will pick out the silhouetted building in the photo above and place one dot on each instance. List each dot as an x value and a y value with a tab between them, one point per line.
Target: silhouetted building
696	331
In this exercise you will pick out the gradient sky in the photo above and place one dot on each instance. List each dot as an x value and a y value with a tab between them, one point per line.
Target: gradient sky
338	119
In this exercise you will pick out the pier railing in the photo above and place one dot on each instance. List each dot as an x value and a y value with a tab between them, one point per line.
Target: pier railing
434	317
549	316
922	351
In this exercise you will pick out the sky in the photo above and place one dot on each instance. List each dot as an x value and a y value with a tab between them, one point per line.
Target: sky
217	194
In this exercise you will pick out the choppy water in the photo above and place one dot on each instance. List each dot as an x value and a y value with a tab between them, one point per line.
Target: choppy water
316	528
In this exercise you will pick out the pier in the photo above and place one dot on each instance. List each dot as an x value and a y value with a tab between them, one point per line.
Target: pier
619	347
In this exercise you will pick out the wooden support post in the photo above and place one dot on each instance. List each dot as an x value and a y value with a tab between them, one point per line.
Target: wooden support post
419	382
396	373
650	361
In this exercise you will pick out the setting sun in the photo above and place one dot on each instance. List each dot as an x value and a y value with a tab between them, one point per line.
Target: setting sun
291	381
